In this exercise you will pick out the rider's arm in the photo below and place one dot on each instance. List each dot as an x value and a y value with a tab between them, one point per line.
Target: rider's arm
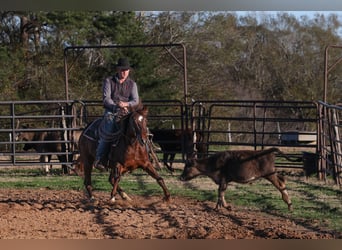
134	96
108	102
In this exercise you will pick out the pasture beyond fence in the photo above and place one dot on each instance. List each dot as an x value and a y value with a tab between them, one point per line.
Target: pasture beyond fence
308	131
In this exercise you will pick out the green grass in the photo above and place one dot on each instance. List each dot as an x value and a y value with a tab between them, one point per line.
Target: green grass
313	201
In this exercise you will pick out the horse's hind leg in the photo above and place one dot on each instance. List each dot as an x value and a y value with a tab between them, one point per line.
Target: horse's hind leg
63	158
279	182
46	166
172	158
87	179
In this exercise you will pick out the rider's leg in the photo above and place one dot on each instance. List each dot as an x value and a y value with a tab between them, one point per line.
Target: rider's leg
100	152
108	127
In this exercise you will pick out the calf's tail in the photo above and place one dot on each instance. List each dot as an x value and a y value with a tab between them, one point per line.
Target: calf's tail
297	159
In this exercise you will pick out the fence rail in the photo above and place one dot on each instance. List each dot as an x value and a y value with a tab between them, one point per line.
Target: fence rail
301	129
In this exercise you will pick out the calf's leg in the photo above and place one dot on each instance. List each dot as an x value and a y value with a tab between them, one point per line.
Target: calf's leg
279	182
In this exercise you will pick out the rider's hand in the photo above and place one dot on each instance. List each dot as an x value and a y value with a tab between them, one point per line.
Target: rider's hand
123	104
125	110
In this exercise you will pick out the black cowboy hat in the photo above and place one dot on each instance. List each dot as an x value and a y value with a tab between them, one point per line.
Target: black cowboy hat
123	63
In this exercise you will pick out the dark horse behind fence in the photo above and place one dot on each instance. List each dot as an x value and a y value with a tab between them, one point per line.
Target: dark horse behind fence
46	143
172	141
129	151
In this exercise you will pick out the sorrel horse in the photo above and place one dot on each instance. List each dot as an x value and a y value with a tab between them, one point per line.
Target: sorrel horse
129	151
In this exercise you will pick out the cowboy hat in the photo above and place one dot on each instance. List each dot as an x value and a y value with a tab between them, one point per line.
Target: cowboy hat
123	63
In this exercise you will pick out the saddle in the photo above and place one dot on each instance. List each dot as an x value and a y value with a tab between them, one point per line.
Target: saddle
95	129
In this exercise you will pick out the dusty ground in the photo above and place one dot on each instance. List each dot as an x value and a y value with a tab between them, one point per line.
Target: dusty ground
51	214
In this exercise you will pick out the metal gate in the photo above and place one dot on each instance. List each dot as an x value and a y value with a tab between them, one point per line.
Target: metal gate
33	117
292	126
330	142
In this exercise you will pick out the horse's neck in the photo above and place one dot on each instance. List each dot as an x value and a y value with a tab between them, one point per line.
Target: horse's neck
131	130
125	123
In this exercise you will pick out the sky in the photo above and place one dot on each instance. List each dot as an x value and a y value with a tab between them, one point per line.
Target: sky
298	14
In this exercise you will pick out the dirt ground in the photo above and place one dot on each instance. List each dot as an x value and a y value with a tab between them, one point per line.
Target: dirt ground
51	214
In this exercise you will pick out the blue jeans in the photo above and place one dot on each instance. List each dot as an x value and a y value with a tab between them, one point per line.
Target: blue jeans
109	126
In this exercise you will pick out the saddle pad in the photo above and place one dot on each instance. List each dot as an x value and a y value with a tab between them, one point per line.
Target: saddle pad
92	130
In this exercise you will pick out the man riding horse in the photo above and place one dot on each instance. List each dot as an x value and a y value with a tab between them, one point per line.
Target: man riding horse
119	93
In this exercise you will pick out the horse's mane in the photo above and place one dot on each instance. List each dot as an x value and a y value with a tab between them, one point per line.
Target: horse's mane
140	108
125	120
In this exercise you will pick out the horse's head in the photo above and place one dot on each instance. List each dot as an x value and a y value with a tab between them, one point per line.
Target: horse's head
137	126
23	135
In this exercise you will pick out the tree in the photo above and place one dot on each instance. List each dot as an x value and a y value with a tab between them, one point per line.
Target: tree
37	41
277	57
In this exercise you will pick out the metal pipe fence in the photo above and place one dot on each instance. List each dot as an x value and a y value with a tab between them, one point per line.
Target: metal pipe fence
301	129
292	126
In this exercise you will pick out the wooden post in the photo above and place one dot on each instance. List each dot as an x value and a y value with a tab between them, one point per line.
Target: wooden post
336	146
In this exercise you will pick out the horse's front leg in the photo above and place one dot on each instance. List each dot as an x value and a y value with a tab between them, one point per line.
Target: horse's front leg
114	179
154	174
123	194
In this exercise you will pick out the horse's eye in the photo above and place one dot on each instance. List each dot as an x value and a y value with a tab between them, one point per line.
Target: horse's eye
140	118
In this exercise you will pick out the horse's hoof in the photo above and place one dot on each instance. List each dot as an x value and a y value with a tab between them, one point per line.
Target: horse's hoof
228	207
167	199
126	197
93	201
112	200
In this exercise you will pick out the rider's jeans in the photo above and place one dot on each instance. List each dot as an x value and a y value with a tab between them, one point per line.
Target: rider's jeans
109	127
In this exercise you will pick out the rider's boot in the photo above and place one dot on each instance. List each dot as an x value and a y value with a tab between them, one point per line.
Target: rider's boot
98	165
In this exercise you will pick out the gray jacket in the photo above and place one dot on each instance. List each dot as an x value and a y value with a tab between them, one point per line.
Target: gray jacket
113	92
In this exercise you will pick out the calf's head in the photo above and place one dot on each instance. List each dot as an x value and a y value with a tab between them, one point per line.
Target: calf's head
190	170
